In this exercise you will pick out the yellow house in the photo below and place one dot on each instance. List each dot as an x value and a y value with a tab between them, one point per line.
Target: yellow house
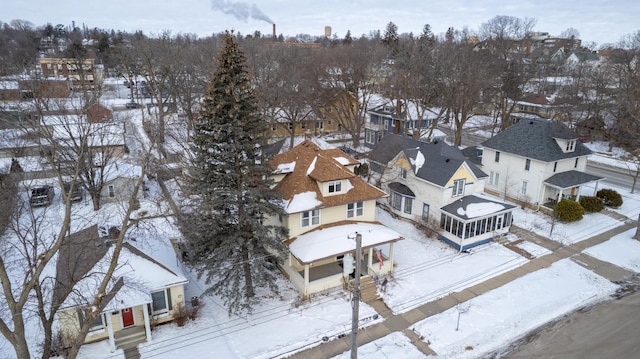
143	292
327	204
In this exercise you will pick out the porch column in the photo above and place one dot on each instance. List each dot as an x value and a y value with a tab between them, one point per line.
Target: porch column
370	260
559	196
390	257
579	193
306	280
112	339
147	323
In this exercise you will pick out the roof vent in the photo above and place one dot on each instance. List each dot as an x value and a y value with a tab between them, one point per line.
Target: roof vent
447	160
531	122
435	142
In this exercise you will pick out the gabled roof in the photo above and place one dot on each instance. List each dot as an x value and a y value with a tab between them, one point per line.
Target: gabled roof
84	258
315	164
435	162
535	139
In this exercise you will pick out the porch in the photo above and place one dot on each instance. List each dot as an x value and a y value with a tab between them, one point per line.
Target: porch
336	268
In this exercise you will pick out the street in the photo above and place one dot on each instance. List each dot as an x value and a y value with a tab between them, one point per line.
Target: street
609	330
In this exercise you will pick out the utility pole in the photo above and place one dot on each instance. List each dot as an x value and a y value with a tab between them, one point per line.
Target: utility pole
356	299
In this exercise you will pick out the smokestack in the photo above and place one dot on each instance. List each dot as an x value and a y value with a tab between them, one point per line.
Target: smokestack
274	32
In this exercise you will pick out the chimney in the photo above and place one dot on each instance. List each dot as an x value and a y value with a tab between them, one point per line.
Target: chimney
274	32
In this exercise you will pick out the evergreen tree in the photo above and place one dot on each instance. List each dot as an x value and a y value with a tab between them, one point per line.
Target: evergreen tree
231	244
391	38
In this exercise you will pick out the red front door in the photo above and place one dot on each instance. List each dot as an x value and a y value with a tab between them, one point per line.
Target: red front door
127	317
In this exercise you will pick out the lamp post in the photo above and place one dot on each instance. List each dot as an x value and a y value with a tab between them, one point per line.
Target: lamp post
356	299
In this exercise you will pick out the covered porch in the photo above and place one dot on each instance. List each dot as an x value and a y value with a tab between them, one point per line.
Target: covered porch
316	258
128	318
566	185
474	220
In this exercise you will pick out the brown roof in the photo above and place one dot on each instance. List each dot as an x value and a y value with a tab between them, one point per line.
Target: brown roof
325	168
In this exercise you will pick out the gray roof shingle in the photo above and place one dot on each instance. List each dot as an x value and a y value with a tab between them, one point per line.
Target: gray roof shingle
535	139
441	159
571	179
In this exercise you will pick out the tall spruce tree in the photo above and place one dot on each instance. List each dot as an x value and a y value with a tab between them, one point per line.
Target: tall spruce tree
231	244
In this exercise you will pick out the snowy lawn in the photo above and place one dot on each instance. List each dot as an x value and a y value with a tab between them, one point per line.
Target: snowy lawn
507	313
565	233
621	250
394	345
428	269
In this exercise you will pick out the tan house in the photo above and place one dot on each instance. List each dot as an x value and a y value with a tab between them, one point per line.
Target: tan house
327	204
142	292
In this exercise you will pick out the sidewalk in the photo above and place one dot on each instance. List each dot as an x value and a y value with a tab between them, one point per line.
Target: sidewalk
403	322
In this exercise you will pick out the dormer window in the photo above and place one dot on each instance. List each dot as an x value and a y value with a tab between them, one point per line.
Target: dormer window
335	186
571	145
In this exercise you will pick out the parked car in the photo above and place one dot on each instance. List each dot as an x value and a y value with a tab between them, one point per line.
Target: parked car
76	194
132	105
41	196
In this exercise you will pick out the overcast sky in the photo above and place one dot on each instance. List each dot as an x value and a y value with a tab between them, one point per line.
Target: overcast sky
600	21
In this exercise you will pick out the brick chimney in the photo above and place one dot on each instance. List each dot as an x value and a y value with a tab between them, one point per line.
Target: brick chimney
274	32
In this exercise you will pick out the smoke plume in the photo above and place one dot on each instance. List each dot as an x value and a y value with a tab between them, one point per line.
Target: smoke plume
240	10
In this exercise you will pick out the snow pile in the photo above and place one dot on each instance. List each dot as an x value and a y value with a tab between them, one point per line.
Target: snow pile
285	167
342	160
312	166
303	202
418	162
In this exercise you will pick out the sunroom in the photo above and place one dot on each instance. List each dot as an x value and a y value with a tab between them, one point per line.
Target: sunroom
474	220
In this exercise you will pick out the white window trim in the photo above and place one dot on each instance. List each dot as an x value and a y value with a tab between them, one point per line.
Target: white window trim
166	303
337	186
310	218
458	188
356	207
112	191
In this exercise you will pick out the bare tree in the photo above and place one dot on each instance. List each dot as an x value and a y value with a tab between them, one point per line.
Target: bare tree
351	72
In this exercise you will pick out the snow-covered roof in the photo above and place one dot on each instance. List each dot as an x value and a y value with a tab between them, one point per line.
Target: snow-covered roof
121	170
328	242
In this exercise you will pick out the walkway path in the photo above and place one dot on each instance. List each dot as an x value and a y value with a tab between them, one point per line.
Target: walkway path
403	322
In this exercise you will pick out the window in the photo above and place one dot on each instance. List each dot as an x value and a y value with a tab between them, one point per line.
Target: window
355	209
458	187
335	186
396	201
527	164
571	145
274	128
408	203
112	192
310	218
497	156
524	187
161	301
425	211
494	178
370	135
403	173
379	136
290	126
97	324
555	166
303	125
576	164
320	125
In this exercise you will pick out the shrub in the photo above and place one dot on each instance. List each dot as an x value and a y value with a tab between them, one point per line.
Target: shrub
610	197
179	314
568	210
592	203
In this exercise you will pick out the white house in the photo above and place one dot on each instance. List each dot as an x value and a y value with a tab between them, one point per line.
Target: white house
536	162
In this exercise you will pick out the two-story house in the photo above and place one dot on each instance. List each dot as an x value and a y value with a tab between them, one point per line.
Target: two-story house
536	162
326	205
402	118
434	182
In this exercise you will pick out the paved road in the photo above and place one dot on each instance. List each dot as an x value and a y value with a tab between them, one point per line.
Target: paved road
616	176
610	330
